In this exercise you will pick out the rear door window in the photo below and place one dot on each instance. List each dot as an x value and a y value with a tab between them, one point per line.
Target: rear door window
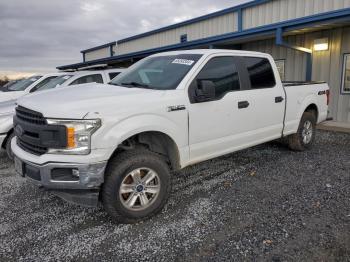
260	72
97	78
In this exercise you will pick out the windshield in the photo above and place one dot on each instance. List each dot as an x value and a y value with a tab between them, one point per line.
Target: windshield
23	84
55	82
7	85
160	72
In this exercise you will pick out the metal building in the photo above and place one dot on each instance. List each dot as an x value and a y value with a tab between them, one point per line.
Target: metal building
309	39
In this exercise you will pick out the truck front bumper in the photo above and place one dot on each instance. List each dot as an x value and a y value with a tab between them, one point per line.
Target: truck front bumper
74	182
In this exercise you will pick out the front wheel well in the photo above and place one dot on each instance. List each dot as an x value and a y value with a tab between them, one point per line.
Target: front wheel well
156	142
6	138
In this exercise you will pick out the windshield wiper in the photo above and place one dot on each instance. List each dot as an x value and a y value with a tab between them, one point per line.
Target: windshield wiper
136	84
111	83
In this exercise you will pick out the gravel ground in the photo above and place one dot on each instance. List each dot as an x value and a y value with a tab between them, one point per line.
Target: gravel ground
264	203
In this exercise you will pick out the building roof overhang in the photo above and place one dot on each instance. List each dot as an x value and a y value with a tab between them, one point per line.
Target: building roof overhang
314	22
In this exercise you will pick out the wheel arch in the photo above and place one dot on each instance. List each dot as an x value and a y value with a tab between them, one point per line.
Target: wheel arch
309	104
312	108
9	133
155	141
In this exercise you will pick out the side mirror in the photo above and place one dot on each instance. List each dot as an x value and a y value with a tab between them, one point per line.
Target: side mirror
205	91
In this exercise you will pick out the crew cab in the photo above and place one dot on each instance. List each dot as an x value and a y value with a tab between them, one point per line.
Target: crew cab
120	143
39	83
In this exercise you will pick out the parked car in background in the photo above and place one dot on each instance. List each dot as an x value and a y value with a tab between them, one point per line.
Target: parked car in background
47	82
8	84
167	111
82	77
26	86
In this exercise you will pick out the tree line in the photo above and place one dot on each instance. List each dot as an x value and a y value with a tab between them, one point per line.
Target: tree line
4	80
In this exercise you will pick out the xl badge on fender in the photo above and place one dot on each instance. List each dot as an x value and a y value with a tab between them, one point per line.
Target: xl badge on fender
176	108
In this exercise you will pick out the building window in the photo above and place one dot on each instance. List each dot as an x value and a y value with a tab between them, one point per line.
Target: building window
346	75
281	67
183	38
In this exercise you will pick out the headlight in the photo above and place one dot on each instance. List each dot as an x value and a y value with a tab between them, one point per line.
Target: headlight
78	135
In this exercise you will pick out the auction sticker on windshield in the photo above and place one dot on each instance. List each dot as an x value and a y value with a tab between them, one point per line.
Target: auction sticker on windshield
183	62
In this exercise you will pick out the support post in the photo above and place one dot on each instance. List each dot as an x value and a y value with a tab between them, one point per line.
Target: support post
280	42
240	20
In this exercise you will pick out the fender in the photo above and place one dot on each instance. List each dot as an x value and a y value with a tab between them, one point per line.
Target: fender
6	125
111	136
307	101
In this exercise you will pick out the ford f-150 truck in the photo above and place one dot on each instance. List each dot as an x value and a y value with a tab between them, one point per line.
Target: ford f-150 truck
119	143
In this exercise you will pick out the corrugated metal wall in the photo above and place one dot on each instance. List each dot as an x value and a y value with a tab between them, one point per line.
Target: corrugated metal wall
263	14
295	62
282	10
327	65
211	27
97	54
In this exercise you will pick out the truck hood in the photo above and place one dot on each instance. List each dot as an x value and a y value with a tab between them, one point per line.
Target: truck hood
78	101
11	95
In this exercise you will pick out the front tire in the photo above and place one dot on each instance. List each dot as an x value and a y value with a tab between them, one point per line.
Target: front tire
137	186
305	136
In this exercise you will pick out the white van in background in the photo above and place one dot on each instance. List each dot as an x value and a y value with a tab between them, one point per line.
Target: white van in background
82	77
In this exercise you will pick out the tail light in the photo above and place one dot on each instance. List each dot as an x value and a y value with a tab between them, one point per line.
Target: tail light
328	94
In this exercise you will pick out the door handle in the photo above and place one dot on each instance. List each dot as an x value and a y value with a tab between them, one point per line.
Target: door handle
278	99
243	104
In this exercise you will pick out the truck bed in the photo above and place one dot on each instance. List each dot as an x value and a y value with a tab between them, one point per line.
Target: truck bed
301	83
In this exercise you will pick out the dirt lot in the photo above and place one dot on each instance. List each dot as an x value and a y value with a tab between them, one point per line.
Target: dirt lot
264	203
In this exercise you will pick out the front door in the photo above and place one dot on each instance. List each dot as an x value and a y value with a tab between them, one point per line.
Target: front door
214	125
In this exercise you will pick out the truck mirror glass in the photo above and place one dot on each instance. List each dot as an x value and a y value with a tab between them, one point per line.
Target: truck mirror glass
205	91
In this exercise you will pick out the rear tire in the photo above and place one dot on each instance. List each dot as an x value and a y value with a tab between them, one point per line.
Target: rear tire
305	136
8	147
129	172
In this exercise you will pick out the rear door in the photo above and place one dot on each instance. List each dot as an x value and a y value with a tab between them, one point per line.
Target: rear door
265	100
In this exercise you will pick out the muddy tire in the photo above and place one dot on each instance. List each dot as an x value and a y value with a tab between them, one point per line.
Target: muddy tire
305	136
137	186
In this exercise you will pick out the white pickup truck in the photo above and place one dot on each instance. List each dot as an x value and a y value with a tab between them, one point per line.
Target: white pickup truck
119	143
